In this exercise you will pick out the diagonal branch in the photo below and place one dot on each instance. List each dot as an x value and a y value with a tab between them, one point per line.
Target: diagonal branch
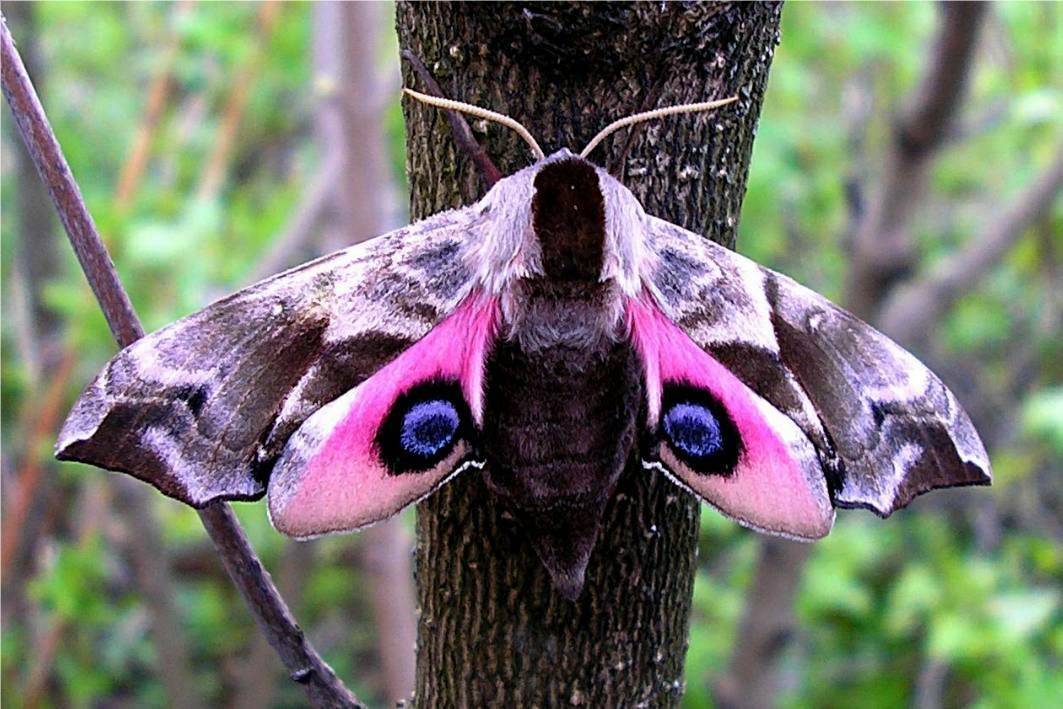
459	127
909	315
882	248
306	667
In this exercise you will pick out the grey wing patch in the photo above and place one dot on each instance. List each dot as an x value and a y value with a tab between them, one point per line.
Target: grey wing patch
202	408
712	293
899	431
885	428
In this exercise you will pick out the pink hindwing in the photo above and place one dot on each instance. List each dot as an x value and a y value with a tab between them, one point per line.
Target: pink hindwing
336	473
775	483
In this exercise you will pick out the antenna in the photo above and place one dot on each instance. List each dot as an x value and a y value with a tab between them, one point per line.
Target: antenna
483	113
653	115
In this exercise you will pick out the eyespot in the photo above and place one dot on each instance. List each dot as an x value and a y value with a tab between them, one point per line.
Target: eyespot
428	428
693	430
423	426
698	430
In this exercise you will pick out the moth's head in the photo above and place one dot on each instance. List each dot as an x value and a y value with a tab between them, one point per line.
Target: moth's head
562	217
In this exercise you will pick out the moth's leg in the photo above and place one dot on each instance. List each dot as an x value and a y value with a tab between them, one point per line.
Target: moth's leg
459	127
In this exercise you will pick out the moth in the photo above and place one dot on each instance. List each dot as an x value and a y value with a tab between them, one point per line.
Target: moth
542	337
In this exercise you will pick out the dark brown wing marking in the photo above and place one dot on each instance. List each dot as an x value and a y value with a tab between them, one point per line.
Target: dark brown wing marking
201	409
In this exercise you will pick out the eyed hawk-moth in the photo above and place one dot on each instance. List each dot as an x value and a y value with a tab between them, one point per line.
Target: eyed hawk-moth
541	337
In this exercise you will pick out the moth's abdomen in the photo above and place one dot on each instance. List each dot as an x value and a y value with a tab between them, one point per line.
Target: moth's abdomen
559	427
559	424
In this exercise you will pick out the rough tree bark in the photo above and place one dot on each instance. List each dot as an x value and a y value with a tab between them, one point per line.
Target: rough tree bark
491	630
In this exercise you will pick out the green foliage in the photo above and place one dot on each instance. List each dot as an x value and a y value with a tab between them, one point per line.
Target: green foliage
1043	417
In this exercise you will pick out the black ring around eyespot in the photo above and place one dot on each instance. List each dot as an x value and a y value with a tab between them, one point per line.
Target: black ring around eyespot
399	459
724	458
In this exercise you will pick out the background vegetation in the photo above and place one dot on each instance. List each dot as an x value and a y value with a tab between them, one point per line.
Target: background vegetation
195	132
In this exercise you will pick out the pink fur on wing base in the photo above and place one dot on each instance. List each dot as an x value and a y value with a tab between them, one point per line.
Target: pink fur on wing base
778	485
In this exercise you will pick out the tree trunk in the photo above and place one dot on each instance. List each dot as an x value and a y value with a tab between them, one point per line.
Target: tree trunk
492	630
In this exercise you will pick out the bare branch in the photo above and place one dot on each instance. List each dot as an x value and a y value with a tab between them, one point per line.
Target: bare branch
323	688
937	98
255	687
910	314
882	248
304	665
55	173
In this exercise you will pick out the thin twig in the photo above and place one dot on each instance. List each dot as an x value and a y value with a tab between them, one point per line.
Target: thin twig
305	666
55	173
44	411
254	685
153	571
459	127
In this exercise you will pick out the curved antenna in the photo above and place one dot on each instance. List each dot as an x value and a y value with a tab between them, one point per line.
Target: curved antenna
446	103
653	115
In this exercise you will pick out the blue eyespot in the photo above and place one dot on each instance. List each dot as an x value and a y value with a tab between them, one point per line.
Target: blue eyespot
693	430
428	428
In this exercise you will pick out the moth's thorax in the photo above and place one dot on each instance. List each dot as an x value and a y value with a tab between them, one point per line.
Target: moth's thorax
559	246
559	225
568	219
546	314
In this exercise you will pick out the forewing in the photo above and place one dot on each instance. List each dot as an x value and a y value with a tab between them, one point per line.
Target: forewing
885	428
202	408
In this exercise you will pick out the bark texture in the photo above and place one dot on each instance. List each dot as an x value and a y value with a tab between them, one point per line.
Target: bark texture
492	631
